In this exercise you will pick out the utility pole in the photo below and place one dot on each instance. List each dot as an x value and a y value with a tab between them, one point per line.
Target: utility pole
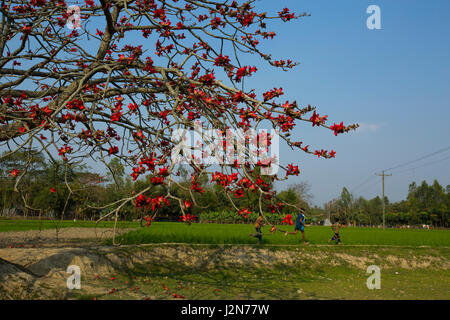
382	175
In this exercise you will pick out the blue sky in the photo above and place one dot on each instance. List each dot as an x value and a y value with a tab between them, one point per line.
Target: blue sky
395	82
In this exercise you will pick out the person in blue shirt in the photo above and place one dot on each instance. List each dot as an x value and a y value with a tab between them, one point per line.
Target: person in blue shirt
299	225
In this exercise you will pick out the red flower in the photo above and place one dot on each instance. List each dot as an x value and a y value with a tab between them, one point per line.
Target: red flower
142	201
90	3
338	128
149	220
317	120
292	170
157	180
239	193
272	93
14	173
132	107
244	71
245	212
207	79
163	171
64	150
287	220
52	190
222	61
116	116
113	150
187	204
188	218
158	202
285	15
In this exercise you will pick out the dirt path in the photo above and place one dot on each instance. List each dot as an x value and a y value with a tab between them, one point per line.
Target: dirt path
52	238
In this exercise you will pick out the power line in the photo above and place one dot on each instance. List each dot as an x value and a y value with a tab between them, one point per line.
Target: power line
424	165
369	187
361	184
418	159
358	187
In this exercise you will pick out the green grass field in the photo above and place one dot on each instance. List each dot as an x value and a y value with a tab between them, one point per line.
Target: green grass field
173	232
166	232
24	225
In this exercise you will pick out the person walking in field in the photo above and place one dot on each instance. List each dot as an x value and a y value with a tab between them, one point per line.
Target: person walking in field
336	227
258	225
299	225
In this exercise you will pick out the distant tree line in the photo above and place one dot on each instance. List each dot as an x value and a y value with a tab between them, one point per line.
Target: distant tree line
424	204
51	189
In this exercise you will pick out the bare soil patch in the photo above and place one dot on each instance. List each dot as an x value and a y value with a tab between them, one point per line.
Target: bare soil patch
63	237
40	273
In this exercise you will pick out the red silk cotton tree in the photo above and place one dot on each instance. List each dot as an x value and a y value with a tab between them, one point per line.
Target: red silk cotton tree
115	78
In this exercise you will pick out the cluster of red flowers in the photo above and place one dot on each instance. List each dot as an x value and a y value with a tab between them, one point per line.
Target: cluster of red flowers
285	15
160	49
284	64
158	202
224	179
324	153
149	220
157	180
188	218
278	207
149	162
239	193
317	120
274	93
113	150
187	204
195	186
222	60
23	9
243	72
217	22
207	79
142	201
14	173
63	150
90	3
286	123
292	170
244	212
338	128
76	103
287	220
246	19
248	184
